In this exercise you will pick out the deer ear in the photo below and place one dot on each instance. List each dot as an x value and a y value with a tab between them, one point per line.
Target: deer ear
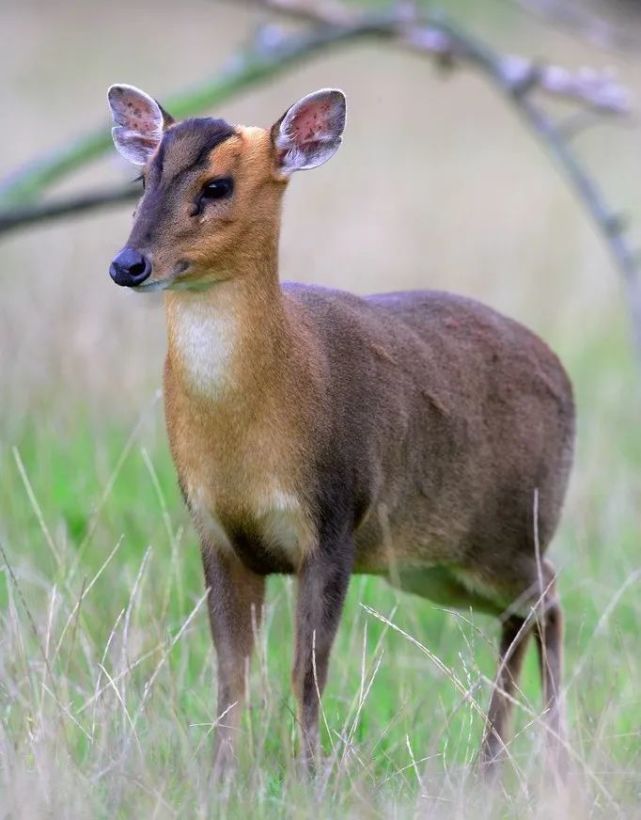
310	132
139	123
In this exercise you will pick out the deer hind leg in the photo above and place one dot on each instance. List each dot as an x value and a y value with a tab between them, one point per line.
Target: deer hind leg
514	639
548	630
546	622
235	602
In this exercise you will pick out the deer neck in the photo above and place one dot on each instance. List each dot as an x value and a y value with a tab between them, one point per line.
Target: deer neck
229	343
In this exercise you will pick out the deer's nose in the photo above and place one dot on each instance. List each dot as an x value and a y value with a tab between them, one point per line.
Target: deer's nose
130	268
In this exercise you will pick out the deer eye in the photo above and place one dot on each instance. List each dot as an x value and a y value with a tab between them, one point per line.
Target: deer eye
217	189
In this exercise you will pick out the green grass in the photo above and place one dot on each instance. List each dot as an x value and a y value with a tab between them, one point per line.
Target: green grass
107	673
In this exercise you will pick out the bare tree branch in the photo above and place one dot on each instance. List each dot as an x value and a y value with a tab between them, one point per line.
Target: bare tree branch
611	225
275	51
268	58
597	90
587	25
516	78
27	215
436	37
331	12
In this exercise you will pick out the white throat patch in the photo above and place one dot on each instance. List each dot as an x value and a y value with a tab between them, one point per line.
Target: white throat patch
205	340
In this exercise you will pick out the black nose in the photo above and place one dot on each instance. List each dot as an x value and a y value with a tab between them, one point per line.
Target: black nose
129	268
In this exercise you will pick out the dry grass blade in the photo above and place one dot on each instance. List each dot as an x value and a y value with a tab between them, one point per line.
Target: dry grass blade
413	763
97	690
25	606
128	446
100	690
166	653
66	712
36	507
579	667
364	685
125	711
174	538
162	501
47	646
436	661
129	609
84	594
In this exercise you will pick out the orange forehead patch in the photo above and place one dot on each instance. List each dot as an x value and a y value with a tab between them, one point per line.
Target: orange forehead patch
249	152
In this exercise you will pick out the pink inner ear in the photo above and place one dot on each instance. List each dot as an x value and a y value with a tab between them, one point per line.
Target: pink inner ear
140	118
135	111
311	121
311	131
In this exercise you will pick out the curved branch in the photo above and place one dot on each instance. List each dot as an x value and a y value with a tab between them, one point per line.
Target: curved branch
515	77
585	24
597	90
27	215
593	88
273	54
610	224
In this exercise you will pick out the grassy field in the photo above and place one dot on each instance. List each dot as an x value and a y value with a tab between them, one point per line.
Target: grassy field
107	671
106	667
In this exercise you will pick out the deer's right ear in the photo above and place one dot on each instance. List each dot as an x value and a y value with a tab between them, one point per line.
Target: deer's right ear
139	123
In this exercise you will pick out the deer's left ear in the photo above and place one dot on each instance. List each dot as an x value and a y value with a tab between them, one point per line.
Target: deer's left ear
139	123
310	132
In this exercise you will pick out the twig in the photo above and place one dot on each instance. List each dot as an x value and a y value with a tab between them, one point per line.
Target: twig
329	13
574	17
83	203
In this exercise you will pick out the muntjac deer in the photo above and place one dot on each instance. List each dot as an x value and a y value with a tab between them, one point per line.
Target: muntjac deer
419	436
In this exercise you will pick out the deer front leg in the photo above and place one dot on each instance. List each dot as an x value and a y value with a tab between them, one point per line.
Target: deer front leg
235	602
322	585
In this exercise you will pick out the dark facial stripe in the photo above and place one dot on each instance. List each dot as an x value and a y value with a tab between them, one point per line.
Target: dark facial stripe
187	146
183	148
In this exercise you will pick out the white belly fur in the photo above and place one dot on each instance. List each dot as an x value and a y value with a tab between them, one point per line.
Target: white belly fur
281	520
284	525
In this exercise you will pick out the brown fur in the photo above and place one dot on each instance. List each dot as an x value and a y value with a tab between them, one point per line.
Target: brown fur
320	434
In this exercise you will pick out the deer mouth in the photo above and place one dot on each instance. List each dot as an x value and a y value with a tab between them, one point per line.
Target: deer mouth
171	282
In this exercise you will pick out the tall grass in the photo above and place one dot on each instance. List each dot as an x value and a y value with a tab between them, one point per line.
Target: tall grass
107	673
